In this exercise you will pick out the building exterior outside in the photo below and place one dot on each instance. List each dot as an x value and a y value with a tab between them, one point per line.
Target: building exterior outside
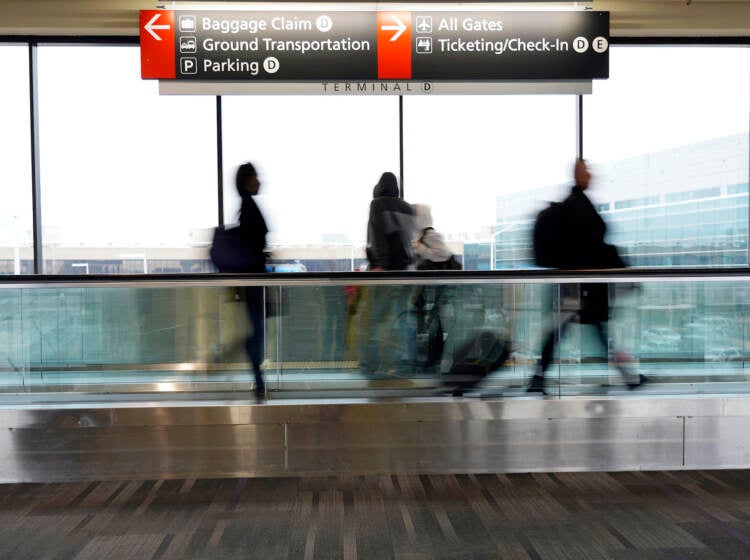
684	207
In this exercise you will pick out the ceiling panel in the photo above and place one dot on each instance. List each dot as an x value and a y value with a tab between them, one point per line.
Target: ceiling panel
629	17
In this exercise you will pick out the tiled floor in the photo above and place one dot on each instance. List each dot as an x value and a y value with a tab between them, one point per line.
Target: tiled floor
643	516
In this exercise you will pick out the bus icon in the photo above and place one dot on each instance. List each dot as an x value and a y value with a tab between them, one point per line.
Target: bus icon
188	45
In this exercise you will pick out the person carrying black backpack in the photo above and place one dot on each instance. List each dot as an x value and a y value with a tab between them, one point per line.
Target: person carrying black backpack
571	235
390	230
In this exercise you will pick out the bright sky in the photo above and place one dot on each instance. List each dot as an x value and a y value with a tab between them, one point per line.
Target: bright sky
122	165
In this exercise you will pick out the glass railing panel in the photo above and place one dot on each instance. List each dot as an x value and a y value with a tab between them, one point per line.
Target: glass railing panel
13	360
689	333
102	335
354	334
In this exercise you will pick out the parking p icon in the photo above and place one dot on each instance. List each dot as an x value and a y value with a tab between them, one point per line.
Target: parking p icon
188	65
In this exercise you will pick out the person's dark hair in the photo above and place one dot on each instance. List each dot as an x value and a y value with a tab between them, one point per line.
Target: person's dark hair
244	172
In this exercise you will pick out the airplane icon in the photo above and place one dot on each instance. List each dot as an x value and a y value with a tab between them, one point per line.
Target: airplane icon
424	24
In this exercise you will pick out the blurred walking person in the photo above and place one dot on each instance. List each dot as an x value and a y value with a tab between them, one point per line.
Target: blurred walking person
571	235
253	231
431	301
390	227
390	230
429	246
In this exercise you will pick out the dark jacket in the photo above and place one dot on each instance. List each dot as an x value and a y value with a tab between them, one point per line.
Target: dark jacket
586	230
586	248
390	228
253	232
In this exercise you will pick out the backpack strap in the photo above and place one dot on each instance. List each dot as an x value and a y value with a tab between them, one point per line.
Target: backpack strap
424	234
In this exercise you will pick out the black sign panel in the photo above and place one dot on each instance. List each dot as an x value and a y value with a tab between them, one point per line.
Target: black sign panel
278	46
510	45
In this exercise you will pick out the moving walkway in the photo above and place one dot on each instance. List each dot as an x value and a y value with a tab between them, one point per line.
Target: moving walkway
121	377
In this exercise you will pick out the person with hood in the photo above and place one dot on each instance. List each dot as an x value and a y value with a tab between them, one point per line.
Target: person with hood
253	231
389	228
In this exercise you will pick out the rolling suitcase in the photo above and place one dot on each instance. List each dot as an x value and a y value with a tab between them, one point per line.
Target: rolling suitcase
475	360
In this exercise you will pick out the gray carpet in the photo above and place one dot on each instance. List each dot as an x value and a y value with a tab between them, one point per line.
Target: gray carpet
643	516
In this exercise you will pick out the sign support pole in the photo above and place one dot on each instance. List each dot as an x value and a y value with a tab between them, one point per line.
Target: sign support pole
36	193
401	143
220	160
579	127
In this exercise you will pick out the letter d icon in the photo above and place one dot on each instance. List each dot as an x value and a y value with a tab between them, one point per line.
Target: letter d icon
271	65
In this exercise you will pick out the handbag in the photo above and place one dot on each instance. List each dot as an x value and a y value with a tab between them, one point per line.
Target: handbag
450	264
425	264
230	254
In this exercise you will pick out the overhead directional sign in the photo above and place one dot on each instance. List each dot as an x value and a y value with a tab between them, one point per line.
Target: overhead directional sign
367	45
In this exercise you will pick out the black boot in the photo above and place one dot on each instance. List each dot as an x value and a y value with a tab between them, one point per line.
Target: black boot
260	387
536	385
642	380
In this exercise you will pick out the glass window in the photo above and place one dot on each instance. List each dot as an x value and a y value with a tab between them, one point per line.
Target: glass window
128	177
482	162
644	201
672	122
318	159
16	254
693	195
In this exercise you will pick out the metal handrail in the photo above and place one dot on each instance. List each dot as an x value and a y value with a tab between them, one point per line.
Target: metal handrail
629	275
